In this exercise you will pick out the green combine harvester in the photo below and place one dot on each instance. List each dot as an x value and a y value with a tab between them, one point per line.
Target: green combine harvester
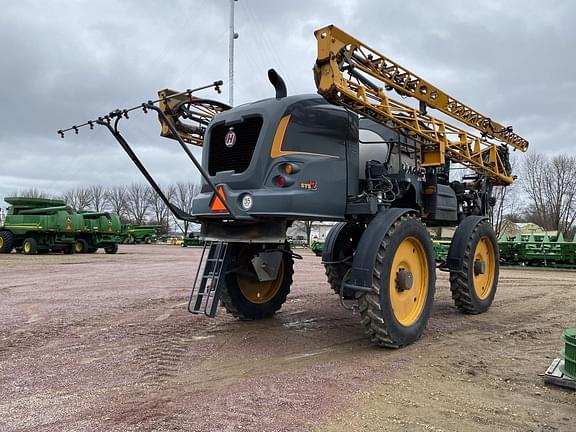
39	225
101	230
523	250
140	233
192	239
317	247
538	250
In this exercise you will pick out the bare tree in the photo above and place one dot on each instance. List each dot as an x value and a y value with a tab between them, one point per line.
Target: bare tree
507	203
550	185
184	194
116	199
137	203
159	209
305	226
79	198
31	193
97	197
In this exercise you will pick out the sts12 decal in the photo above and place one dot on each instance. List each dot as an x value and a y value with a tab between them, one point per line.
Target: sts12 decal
309	185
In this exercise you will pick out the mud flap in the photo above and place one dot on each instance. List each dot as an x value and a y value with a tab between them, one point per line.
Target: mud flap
454	262
365	256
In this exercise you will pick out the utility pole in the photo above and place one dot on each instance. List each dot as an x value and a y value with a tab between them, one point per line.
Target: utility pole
233	35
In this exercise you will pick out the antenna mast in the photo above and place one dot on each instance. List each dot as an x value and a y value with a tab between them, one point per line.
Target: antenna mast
233	35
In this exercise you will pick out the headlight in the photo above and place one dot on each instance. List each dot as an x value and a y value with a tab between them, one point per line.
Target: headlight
246	201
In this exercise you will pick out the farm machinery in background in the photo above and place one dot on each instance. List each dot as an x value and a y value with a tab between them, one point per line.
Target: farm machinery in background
101	230
38	225
534	250
140	233
379	168
192	239
538	250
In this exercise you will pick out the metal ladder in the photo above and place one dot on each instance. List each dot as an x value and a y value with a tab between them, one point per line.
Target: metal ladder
206	290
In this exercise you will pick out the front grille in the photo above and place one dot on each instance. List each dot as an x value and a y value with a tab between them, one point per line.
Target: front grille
238	157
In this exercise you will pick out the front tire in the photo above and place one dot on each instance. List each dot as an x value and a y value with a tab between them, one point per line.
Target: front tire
81	246
29	246
111	249
6	242
249	299
396	311
473	288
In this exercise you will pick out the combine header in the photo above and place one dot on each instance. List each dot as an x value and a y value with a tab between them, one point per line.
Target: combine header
378	167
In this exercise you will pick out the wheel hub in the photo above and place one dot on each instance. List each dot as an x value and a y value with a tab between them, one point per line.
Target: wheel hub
483	268
408	283
479	267
404	280
259	292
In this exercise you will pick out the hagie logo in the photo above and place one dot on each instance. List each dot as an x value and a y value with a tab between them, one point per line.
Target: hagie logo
230	138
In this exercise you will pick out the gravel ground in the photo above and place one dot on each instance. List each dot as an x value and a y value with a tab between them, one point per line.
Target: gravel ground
104	342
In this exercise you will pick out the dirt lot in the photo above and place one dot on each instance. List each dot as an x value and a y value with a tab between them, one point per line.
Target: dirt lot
101	342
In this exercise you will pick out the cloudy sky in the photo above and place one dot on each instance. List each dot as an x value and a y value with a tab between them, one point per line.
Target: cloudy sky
64	62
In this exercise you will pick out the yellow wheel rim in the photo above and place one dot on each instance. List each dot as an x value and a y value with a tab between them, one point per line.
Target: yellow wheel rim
408	302
261	292
27	247
1	242
484	280
78	247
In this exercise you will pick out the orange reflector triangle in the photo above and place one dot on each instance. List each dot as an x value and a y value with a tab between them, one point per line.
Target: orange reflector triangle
217	206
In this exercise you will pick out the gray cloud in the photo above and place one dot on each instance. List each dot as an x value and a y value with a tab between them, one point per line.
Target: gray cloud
65	62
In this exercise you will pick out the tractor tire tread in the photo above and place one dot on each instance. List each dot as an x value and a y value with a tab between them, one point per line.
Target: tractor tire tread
369	303
228	303
459	280
334	276
8	243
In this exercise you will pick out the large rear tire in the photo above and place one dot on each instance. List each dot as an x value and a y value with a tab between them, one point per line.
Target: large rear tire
6	242
473	288
249	299
396	311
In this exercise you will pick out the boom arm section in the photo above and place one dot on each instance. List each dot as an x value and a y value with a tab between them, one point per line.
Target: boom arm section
342	72
188	114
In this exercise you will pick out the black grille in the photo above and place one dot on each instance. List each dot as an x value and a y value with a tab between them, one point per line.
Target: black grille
238	157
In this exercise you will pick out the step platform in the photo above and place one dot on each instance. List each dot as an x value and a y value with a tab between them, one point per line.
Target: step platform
554	375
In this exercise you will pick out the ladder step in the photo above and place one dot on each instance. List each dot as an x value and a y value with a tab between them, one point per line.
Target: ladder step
205	295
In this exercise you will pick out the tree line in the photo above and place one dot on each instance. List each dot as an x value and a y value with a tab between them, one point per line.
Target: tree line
544	194
136	203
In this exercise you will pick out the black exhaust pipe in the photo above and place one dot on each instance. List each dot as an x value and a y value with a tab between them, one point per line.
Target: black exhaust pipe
278	83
